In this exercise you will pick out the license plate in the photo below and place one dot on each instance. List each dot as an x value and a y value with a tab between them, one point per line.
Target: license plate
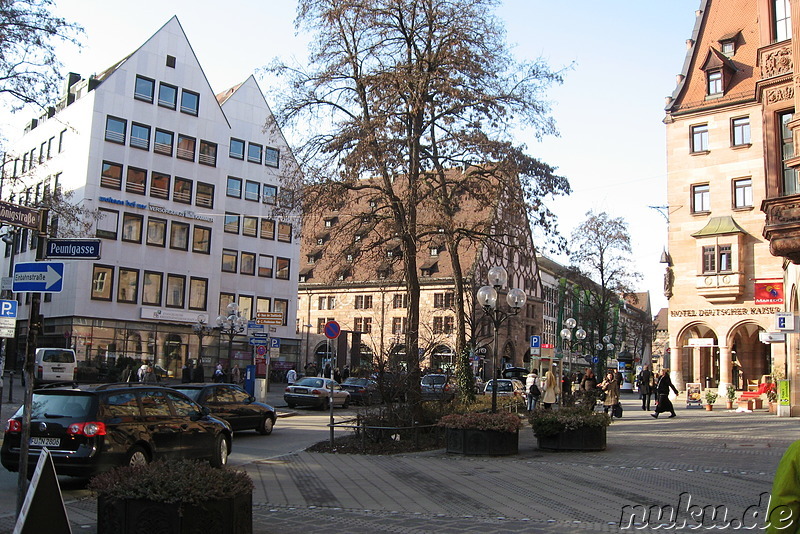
58	369
45	442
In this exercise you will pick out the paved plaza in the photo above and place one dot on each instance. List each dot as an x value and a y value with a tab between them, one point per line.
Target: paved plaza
721	458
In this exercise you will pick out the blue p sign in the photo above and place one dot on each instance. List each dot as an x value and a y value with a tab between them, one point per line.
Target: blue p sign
8	308
781	322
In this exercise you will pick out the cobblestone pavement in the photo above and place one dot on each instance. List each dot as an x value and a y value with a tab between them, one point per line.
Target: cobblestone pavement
721	458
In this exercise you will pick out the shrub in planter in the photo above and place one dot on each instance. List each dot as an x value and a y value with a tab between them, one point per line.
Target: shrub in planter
570	428
182	496
482	433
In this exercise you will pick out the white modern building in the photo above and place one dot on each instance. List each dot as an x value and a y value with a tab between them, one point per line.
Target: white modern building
195	210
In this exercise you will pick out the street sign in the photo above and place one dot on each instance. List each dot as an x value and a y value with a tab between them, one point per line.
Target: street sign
595	359
332	330
273	318
8	318
536	342
259	334
259	341
8	308
16	215
261	350
73	249
536	351
45	277
275	343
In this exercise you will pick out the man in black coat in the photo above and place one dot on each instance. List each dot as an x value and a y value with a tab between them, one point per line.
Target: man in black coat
662	388
646	385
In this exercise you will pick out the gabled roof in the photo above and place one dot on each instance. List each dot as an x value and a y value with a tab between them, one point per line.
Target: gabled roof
717	60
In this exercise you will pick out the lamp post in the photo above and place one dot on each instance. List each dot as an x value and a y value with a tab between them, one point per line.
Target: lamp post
487	298
231	325
607	345
566	336
201	329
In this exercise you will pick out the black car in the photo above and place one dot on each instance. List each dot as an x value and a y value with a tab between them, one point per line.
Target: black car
232	403
362	390
92	428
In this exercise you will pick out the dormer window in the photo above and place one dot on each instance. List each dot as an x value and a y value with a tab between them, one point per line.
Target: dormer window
357	238
715	83
434	251
719	71
728	47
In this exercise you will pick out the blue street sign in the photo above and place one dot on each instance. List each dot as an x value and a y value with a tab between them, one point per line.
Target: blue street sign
8	308
45	277
595	359
259	340
536	342
274	342
81	249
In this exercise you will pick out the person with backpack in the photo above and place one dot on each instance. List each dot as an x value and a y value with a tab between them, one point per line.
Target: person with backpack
532	389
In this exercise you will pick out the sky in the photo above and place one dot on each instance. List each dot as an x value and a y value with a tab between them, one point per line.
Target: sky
622	58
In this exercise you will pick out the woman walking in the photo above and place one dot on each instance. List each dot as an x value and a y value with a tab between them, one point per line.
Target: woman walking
662	389
611	388
551	388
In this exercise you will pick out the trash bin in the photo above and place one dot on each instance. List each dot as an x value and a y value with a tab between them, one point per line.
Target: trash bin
250	379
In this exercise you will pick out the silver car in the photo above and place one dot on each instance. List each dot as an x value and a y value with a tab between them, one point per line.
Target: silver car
316	391
506	387
438	387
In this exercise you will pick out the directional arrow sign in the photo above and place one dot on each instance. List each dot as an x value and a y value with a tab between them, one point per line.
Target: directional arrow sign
38	277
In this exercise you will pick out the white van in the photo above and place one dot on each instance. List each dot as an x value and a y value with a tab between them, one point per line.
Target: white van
55	365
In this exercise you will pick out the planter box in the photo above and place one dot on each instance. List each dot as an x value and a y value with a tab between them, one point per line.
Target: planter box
481	442
135	516
580	439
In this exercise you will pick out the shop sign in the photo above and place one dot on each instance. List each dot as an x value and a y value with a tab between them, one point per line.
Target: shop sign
159	314
768	292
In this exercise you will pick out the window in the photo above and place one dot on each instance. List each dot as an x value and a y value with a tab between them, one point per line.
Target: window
251	190
725	258
743	193
183	191
790	186
128	285
230	260
234	188
281	306
102	282
167	95
709	259
728	47
250	226
136	181
204	197
399	325
443	325
248	263
700	138
144	89
208	153
267	229
286	198
63	135
186	147
782	16
50	147
151	290
201	240
115	130
270	194
159	185
224	300
140	136
327	303
254	153
170	61
236	149
400	300
740	131
179	236
363	302
107	224
231	223
265	265
715	82
271	157
262	304
132	227
285	232
282	268
198	293
444	300
111	175
163	142
701	198
156	232
321	321
717	259
190	102
176	288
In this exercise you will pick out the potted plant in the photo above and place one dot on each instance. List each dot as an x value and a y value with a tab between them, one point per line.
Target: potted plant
482	433
182	496
730	396
772	397
570	428
711	398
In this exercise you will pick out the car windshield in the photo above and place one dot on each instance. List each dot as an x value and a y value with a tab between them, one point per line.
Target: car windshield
58	356
501	386
311	382
58	404
192	393
435	380
356	382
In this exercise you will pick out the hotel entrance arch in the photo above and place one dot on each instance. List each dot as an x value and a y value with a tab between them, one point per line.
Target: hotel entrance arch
749	357
699	355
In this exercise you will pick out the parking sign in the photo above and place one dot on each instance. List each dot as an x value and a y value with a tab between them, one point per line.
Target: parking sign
536	342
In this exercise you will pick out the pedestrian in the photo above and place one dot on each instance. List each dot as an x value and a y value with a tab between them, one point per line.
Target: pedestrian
142	370
219	374
551	389
327	371
589	381
198	374
236	374
291	376
620	379
345	373
186	372
149	377
127	373
532	389
566	389
337	376
646	385
662	389
784	501
610	386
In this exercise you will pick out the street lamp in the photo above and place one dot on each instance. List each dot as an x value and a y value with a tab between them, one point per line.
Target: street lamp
566	336
606	344
231	325
201	329
487	298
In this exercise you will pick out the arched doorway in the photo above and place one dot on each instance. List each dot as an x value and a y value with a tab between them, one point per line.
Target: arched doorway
443	358
324	354
750	358
699	348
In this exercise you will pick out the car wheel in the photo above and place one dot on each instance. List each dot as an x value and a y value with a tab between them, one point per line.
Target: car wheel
265	427
137	456
346	402
219	456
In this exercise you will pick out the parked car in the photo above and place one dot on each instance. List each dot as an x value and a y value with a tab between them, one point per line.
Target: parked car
362	390
54	365
506	387
514	372
438	387
233	404
92	428
315	391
